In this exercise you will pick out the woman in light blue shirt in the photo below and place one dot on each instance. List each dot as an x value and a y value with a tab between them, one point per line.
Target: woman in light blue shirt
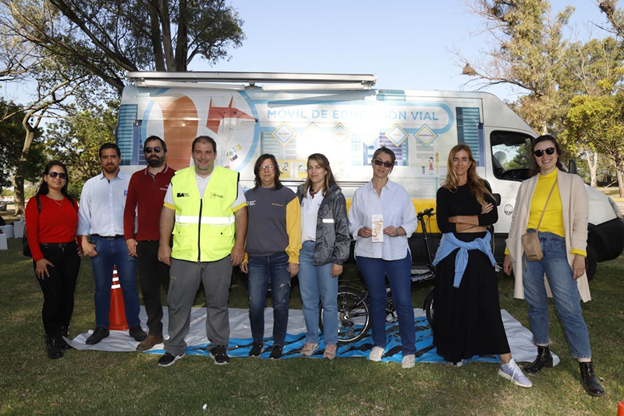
381	250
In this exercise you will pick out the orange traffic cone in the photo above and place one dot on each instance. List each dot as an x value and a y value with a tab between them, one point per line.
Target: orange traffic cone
117	314
621	408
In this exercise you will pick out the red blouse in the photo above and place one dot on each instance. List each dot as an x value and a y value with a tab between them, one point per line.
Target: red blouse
57	223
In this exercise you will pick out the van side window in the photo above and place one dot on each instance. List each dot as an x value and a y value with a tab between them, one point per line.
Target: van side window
510	155
470	131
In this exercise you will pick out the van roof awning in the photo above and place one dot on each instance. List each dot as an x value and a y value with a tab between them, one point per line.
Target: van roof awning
288	81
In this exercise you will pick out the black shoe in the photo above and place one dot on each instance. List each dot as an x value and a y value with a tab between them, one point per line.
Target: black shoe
64	333
137	333
590	381
53	348
219	355
98	335
544	360
276	352
168	359
256	350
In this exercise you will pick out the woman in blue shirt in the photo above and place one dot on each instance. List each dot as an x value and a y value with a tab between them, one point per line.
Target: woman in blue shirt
467	319
381	250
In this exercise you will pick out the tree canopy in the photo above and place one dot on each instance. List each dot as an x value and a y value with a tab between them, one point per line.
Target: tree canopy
107	37
76	139
599	121
12	142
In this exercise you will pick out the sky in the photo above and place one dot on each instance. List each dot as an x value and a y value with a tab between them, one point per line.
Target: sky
405	43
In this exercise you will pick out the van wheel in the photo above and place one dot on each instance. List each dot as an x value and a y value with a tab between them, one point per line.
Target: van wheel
591	262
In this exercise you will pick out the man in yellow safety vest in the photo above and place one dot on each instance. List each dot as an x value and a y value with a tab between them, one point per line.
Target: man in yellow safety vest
206	211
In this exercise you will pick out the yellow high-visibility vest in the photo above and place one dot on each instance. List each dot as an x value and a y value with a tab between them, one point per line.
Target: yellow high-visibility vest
204	227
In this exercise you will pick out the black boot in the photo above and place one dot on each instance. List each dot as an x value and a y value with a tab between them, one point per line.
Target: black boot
62	343
589	380
544	360
52	347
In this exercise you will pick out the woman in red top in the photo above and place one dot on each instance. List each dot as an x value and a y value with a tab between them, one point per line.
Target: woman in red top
51	222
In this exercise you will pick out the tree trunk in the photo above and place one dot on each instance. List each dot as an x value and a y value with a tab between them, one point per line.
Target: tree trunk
22	165
620	177
165	20
592	164
181	54
156	36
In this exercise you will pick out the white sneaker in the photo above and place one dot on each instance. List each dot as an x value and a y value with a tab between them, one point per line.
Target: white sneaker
512	372
376	354
409	361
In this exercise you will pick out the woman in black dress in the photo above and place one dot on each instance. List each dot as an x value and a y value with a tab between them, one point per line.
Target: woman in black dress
467	321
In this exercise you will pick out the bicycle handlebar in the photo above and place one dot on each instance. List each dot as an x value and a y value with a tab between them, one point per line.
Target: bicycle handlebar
428	212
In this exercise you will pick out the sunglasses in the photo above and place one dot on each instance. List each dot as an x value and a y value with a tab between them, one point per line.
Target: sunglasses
53	175
540	153
267	167
156	149
379	162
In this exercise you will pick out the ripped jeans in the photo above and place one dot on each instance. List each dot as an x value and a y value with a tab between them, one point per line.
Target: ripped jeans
262	270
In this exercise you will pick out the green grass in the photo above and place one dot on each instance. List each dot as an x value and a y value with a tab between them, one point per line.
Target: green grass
86	382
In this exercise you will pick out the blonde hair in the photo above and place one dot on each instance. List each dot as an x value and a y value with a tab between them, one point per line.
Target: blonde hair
476	184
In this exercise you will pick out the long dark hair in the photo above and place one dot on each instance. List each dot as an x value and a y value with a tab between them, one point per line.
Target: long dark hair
475	183
323	162
535	169
276	169
43	187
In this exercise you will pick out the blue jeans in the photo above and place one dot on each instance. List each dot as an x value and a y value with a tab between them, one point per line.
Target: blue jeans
114	253
398	272
565	293
317	283
262	270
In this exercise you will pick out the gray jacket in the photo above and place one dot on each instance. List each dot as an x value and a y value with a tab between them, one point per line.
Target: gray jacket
332	238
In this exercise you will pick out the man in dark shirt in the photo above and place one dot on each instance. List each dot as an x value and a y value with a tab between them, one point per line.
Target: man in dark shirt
146	193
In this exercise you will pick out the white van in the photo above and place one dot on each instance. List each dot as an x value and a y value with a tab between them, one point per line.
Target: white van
342	116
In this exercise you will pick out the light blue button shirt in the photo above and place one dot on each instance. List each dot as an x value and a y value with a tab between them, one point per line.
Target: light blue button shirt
397	209
102	205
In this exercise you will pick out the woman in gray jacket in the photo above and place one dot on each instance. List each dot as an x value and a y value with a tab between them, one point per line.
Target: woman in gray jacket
325	238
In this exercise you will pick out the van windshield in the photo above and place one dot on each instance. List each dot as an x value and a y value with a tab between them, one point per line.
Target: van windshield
510	155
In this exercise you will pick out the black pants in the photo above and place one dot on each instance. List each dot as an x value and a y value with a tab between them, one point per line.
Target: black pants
153	274
58	288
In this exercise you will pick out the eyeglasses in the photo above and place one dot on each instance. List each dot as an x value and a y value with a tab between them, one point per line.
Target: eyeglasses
380	162
267	167
53	175
540	153
156	149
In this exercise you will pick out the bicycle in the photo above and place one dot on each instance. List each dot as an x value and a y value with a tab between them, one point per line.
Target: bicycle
353	304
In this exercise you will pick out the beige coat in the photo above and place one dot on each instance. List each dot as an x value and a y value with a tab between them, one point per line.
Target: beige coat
575	217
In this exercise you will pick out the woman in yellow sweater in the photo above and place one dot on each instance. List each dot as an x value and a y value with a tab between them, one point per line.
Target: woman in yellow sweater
554	204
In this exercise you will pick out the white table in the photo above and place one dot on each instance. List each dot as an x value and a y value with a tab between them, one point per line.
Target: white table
18	228
3	242
8	230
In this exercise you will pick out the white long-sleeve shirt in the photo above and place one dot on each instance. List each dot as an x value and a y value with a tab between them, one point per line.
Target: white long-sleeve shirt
102	205
397	209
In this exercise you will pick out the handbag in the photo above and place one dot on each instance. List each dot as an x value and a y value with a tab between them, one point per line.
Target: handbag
532	247
25	246
530	241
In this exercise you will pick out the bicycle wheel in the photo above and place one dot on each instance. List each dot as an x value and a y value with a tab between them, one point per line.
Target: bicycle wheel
353	315
428	306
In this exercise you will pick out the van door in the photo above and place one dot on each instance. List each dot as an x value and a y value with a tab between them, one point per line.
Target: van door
510	166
